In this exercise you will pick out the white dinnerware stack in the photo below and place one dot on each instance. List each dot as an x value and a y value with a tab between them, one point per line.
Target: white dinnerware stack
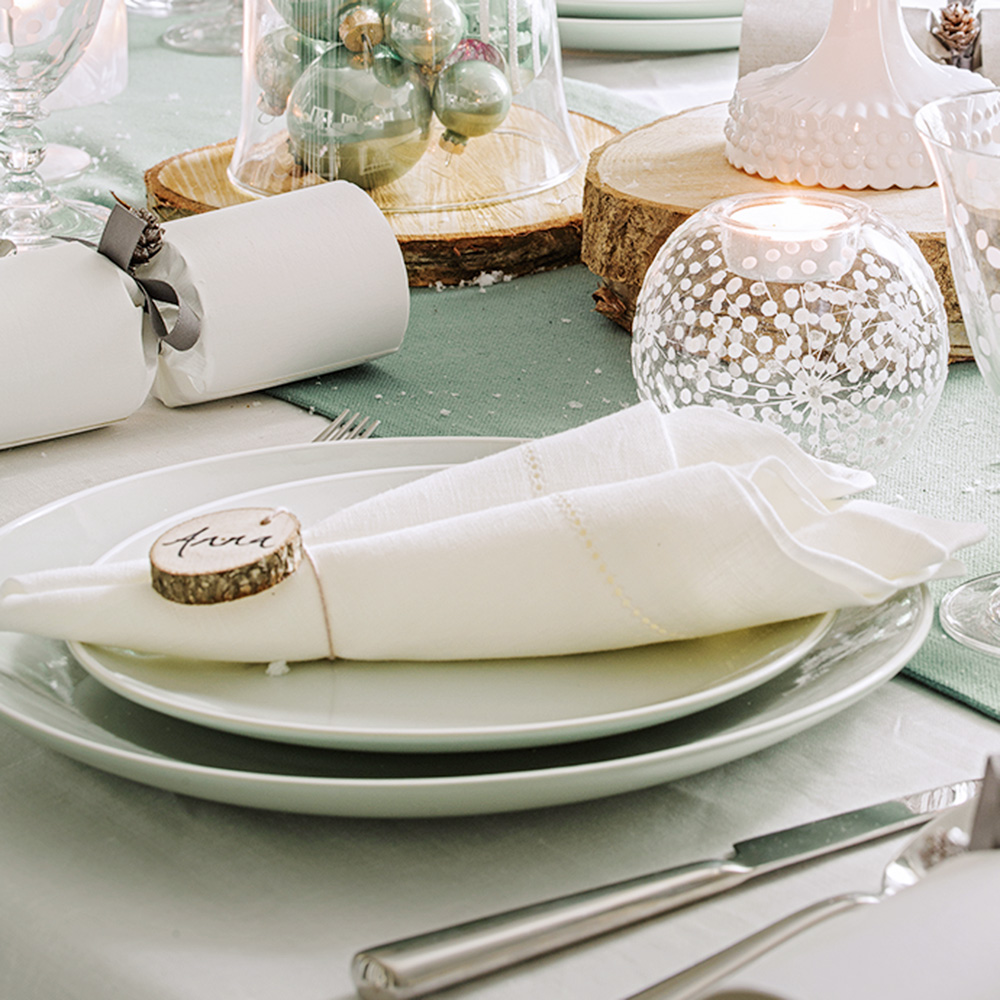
617	605
649	26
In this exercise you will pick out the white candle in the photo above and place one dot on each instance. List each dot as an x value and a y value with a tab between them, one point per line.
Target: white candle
790	239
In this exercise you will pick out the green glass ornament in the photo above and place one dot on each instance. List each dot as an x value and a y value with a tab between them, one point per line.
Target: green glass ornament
470	98
358	119
424	31
279	61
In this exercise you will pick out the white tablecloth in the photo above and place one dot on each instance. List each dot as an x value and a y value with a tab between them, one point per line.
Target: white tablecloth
115	891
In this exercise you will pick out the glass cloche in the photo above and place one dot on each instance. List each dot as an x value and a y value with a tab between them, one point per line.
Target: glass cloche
426	104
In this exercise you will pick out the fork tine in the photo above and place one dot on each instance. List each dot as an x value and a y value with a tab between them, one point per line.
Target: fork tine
332	429
347	427
358	430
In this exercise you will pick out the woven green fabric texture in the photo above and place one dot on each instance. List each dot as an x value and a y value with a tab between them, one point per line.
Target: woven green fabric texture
953	471
518	358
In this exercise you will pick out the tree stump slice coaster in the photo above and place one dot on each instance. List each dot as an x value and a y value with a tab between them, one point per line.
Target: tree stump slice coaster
518	236
225	555
642	185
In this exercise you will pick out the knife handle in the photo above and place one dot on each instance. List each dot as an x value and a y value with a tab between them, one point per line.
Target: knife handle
419	965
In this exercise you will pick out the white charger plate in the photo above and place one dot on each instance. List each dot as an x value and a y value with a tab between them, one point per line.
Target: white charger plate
620	9
44	692
452	706
689	34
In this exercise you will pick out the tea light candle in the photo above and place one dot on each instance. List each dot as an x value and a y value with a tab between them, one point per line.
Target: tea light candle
791	239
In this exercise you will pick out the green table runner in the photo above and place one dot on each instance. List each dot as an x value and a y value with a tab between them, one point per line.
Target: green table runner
519	358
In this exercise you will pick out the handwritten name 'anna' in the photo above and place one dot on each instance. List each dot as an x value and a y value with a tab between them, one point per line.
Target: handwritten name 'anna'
200	537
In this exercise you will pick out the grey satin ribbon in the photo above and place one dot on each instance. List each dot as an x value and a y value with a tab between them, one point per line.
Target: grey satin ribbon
118	242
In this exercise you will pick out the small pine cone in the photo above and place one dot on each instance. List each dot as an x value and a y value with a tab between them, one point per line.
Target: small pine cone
151	239
958	27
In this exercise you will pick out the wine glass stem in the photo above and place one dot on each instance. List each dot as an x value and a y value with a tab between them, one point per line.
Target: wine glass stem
22	149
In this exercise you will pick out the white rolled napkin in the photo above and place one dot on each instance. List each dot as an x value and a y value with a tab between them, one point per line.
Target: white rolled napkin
933	941
74	353
301	284
636	528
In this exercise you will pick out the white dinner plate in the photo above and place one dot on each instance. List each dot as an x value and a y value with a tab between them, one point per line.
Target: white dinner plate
45	692
457	705
677	9
690	34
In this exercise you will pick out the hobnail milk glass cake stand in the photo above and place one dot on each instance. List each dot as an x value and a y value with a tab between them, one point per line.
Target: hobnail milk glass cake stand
843	116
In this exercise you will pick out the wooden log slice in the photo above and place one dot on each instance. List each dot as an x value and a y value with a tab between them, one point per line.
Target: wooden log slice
225	555
642	185
521	235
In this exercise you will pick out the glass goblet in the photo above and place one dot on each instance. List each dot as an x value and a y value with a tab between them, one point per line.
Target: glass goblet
218	34
962	138
40	42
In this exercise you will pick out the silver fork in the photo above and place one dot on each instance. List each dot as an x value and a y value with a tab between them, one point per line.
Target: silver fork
348	427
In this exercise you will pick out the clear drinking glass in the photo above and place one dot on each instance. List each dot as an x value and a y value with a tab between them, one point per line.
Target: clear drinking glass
217	34
962	137
40	42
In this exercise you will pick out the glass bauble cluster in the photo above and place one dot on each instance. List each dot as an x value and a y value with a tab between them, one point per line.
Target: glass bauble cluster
360	83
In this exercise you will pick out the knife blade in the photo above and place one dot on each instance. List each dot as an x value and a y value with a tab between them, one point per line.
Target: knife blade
416	966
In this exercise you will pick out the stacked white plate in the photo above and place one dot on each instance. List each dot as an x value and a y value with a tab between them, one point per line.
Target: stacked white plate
408	739
652	26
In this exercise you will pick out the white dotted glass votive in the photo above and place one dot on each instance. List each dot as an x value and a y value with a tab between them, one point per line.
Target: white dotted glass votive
962	136
811	313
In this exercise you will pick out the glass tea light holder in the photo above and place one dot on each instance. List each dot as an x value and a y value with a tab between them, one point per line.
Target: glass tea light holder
962	136
808	312
426	104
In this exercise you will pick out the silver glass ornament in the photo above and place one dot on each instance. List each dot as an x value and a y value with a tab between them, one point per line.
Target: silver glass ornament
279	61
470	98
364	120
424	32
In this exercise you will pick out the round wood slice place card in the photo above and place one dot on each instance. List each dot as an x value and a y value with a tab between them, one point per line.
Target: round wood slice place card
225	555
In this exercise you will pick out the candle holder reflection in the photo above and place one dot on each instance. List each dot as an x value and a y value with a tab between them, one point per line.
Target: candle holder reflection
810	313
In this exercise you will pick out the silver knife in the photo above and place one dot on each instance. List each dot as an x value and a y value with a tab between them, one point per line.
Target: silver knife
419	965
969	826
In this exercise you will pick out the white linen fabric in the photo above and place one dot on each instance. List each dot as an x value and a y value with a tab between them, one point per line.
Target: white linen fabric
636	528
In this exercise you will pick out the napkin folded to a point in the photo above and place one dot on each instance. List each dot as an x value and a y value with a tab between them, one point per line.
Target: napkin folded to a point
636	528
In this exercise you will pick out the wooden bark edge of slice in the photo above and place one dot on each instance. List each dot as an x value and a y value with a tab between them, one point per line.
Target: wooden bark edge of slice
524	235
228	569
622	230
